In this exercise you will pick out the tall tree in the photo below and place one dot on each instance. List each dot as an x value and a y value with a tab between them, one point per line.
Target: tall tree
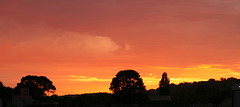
164	85
38	86
128	86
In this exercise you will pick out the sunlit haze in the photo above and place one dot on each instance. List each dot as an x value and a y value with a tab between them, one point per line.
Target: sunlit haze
80	45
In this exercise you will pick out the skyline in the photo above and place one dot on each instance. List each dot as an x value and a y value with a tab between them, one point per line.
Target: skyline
82	44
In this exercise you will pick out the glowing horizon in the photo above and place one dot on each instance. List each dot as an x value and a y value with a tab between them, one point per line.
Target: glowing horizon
101	83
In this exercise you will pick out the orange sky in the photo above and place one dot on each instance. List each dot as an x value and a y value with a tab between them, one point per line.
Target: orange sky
81	44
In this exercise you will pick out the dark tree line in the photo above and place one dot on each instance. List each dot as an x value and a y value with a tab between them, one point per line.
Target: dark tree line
128	88
211	91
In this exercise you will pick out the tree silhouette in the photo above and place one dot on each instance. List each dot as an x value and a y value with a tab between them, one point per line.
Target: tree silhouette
128	86
5	92
39	86
164	85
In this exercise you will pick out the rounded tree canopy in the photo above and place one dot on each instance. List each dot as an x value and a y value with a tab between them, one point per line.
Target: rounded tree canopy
127	82
38	85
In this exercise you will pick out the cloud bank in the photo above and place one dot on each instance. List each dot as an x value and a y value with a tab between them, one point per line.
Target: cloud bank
41	41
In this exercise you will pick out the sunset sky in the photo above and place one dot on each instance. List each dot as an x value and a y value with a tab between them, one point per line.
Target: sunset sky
80	45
